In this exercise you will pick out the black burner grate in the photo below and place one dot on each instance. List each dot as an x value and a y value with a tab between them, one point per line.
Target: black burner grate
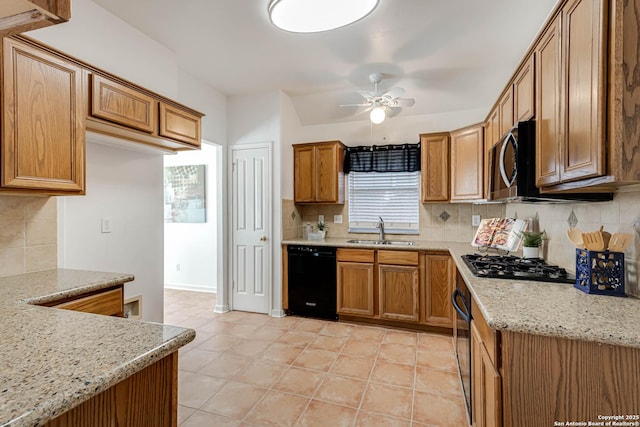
512	267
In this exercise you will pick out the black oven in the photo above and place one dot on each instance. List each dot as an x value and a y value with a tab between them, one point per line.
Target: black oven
462	337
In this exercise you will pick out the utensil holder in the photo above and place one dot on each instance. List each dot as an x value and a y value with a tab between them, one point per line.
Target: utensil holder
600	272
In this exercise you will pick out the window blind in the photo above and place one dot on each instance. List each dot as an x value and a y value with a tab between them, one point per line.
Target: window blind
394	196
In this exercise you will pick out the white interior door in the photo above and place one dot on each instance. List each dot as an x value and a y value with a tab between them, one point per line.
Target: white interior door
251	224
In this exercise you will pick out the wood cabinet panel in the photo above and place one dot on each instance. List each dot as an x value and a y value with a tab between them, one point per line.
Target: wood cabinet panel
179	125
355	288
524	92
435	167
304	176
398	292
505	106
26	15
43	132
318	172
147	398
584	36
120	104
486	383
108	303
355	255
549	135
438	279
580	379
398	257
467	163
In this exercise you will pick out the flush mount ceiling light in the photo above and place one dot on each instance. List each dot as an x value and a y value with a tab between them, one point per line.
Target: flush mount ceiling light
312	16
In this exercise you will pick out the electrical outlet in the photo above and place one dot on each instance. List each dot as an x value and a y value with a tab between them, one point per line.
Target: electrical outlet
475	220
337	219
320	218
105	225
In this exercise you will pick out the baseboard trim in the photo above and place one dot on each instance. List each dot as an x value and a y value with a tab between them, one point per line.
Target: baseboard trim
188	287
222	308
277	312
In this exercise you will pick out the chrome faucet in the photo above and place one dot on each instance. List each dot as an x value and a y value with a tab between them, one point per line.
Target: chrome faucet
380	225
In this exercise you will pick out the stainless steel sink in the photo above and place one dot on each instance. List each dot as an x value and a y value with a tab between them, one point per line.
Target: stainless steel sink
382	242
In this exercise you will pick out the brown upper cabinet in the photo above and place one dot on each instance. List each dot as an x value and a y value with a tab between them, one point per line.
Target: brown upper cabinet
120	109
435	166
505	106
467	163
318	172
18	16
43	133
577	41
523	92
586	104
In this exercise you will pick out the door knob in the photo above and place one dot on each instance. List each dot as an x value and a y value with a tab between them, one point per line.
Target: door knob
263	239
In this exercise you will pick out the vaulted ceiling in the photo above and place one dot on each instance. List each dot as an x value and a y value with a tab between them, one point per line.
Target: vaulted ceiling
449	55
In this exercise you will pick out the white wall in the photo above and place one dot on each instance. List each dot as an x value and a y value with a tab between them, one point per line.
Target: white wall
193	246
256	119
126	187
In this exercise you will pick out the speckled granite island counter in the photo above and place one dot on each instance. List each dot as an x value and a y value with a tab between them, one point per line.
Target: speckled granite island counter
53	360
549	309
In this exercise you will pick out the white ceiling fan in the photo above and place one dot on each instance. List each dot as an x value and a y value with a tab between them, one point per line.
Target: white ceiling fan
381	104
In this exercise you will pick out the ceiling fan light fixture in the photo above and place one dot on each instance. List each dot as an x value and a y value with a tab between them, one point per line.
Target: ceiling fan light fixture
377	115
312	16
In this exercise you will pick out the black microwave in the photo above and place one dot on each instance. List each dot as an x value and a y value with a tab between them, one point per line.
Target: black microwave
512	170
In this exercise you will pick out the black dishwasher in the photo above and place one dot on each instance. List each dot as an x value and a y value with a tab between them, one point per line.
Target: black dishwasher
312	281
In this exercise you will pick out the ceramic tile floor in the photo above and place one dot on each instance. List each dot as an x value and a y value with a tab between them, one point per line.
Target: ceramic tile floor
247	369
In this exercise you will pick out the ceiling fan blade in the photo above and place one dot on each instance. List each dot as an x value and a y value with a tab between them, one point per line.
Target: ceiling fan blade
402	102
355	105
394	93
365	94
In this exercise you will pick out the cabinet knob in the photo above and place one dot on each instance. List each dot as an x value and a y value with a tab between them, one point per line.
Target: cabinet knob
263	239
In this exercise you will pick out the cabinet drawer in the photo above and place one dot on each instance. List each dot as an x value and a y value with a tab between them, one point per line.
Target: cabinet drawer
398	257
179	125
108	303
355	255
123	105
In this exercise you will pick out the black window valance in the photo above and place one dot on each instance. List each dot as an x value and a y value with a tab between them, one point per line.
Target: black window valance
382	158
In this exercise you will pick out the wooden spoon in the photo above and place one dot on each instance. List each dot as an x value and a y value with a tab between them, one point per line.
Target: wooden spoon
575	236
620	241
593	241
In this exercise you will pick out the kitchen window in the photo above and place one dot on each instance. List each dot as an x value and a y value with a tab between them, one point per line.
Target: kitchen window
394	196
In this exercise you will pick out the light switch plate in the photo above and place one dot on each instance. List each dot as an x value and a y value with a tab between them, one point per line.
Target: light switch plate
475	220
105	225
337	219
320	218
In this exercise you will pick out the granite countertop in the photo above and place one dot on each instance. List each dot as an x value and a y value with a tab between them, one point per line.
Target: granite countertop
540	308
53	360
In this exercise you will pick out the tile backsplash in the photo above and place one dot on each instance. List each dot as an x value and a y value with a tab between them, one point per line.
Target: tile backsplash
28	234
619	215
448	222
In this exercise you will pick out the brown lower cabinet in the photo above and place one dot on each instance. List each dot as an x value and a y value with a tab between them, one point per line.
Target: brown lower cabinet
526	380
108	302
404	286
147	398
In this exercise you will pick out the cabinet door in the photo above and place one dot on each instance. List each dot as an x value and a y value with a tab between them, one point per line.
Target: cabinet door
120	104
398	292
43	129
467	163
438	289
506	112
179	124
523	92
108	303
304	175
549	133
487	388
355	288
435	167
584	87
327	173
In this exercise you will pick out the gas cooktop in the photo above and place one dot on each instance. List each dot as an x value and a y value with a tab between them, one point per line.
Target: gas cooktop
512	267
